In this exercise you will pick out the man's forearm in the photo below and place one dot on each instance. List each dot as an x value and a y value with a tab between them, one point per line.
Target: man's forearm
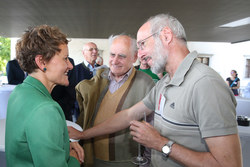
116	123
119	121
222	154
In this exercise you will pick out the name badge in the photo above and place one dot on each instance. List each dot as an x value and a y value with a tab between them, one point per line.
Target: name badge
161	104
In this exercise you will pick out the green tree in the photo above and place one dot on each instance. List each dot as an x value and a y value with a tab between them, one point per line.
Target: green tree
4	53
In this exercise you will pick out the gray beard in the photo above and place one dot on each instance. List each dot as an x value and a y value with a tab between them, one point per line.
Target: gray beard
159	56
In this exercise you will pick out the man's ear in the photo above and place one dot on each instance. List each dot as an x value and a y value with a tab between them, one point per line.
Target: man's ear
40	62
167	35
135	57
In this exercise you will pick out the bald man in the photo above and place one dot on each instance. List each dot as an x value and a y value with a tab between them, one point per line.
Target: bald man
109	91
86	69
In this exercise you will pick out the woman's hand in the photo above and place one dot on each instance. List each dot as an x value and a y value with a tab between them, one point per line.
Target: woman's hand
77	151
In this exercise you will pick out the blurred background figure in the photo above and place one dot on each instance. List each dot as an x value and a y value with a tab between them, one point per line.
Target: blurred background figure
86	69
234	82
65	96
15	74
144	67
36	132
99	61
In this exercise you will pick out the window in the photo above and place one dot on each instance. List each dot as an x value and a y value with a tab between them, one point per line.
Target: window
247	69
204	58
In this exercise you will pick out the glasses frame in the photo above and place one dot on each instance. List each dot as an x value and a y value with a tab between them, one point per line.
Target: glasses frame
140	44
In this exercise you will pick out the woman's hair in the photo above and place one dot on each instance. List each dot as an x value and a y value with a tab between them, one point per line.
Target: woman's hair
236	74
41	40
160	21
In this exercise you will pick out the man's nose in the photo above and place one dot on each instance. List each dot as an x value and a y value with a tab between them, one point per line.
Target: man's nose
141	54
115	59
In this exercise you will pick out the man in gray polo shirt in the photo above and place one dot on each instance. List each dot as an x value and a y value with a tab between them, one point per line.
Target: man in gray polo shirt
195	120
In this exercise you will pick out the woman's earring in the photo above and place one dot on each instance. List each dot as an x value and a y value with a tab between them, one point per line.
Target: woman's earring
44	69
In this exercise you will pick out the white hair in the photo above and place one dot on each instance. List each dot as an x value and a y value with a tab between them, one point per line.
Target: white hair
133	46
160	21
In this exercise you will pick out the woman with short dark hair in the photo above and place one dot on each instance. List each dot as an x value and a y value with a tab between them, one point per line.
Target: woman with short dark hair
36	131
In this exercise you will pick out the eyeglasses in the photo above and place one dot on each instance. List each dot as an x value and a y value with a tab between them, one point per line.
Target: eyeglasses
141	43
92	49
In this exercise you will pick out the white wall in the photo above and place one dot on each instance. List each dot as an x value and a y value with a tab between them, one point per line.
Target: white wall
75	48
225	56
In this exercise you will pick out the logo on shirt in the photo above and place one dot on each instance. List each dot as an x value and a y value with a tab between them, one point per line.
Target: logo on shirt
172	105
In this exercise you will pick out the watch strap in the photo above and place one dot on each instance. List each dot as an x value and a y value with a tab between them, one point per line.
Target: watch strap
169	144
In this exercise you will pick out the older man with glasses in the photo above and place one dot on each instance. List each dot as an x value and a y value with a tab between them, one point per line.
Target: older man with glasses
86	69
195	116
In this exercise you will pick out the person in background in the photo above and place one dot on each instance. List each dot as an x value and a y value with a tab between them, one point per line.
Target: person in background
99	60
195	118
15	74
36	131
234	82
65	96
87	69
144	67
107	93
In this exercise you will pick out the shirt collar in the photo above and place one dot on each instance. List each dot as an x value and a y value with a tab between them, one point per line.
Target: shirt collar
182	70
126	75
87	64
37	84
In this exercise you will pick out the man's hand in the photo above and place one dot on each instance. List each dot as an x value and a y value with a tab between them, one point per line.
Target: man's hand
73	133
146	134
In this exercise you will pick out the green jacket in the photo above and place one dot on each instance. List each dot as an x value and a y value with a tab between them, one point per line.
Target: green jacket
89	94
36	131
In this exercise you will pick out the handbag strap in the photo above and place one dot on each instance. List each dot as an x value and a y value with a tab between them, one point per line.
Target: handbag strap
233	82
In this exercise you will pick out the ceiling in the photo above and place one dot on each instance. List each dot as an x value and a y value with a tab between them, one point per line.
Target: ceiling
102	18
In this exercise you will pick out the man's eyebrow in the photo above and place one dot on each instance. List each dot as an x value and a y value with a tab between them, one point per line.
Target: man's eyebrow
122	55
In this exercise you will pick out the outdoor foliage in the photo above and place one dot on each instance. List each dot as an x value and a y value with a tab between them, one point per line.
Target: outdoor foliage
4	53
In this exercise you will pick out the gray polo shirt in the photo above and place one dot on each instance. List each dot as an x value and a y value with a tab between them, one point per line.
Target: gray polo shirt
196	103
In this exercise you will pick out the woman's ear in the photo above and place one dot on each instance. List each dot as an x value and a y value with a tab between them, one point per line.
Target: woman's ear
40	62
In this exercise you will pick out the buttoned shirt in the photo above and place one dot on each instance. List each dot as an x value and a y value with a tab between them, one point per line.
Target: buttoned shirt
91	68
114	85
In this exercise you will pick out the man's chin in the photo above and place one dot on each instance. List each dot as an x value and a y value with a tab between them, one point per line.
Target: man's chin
157	70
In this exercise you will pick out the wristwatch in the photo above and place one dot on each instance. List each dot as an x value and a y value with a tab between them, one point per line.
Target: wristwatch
166	149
